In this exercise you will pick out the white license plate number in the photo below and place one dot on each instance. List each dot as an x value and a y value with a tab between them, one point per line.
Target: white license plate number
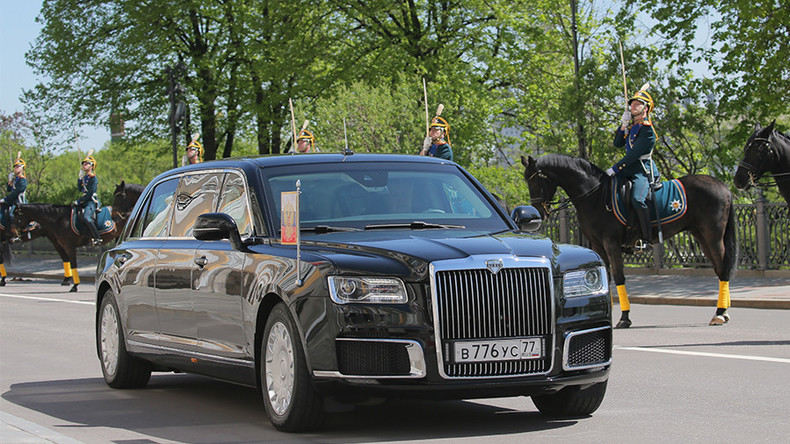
498	350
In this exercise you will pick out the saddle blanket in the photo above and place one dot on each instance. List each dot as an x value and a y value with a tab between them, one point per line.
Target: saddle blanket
670	198
104	222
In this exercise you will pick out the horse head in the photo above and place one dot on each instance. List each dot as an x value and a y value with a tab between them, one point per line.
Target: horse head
541	187
124	198
758	155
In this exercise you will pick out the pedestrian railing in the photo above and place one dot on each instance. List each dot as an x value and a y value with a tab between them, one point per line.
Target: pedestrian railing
763	239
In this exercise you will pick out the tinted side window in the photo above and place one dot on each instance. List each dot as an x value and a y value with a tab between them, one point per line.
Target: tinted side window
197	194
154	222
234	202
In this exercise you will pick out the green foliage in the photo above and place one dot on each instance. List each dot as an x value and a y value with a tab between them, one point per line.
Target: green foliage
515	77
506	182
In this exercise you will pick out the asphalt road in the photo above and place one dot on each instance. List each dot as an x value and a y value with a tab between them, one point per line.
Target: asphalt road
674	379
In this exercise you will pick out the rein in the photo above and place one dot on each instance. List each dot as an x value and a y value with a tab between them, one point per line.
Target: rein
564	203
755	175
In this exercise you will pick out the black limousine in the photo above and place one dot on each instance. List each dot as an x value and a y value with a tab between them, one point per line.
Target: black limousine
406	279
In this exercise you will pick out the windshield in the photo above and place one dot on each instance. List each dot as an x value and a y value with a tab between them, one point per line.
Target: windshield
363	195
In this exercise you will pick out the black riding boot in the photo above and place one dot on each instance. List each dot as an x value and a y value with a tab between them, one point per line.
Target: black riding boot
94	232
645	227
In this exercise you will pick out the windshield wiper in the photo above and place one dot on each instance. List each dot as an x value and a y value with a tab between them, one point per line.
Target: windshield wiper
415	225
318	229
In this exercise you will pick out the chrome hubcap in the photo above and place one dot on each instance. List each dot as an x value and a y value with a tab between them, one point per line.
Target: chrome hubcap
279	368
109	340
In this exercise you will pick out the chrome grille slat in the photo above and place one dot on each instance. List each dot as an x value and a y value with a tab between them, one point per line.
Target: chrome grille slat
475	303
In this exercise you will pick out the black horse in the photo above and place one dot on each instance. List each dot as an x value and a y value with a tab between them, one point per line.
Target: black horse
55	224
11	234
709	217
767	150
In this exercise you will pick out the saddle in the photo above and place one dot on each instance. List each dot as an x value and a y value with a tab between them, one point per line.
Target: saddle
669	197
104	223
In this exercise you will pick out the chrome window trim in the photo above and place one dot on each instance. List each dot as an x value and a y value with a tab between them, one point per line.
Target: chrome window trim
566	350
479	262
152	186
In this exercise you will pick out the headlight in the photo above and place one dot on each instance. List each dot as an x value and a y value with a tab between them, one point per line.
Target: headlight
374	290
589	282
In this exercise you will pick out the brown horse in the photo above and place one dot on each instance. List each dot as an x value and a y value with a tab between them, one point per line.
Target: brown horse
767	150
55	224
709	217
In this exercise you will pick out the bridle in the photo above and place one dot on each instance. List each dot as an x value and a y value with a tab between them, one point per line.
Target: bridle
768	150
564	203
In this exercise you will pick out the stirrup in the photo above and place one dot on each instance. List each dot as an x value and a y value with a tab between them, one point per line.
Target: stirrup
96	242
642	247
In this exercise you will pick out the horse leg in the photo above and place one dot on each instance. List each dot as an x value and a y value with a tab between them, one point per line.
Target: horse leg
721	248
616	268
3	274
65	258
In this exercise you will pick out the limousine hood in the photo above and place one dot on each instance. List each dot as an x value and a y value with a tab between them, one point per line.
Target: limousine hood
411	253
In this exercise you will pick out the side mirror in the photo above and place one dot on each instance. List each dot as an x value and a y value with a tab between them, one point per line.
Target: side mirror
527	218
217	226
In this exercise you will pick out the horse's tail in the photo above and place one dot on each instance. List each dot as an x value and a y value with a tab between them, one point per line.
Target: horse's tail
730	244
6	253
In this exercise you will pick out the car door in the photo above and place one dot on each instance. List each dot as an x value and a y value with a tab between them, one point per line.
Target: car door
196	194
137	262
217	279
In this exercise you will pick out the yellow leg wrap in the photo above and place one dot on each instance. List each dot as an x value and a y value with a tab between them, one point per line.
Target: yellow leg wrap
2	270
75	277
67	269
724	295
623	296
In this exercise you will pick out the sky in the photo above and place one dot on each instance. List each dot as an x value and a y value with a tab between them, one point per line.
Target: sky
18	32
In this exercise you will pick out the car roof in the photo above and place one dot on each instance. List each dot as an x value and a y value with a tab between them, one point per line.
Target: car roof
253	162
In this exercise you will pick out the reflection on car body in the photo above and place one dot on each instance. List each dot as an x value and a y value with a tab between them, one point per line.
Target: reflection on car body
409	281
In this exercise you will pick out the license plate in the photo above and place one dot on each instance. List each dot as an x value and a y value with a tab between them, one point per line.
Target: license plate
498	350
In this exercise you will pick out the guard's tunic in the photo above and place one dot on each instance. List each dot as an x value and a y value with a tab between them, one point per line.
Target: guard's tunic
636	164
441	150
89	201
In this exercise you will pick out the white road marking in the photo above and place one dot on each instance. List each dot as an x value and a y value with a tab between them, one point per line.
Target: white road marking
38	298
709	355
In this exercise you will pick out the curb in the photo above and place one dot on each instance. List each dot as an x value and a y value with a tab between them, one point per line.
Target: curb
709	302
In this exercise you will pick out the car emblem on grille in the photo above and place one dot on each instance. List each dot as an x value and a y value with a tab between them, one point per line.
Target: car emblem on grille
494	265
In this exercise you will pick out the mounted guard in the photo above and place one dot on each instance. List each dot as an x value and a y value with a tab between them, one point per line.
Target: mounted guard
437	142
305	143
194	152
89	203
637	135
15	189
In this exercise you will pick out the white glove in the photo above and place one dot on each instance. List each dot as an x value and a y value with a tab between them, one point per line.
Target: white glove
82	173
427	143
626	119
2	200
10	177
610	172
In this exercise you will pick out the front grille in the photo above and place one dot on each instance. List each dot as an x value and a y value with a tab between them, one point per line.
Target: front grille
480	304
587	349
372	358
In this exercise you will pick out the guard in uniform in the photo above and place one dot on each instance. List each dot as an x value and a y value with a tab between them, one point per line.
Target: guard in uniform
15	189
437	144
89	203
637	135
194	153
305	143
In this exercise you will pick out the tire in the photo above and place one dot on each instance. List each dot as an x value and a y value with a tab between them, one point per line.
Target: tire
121	370
291	402
571	401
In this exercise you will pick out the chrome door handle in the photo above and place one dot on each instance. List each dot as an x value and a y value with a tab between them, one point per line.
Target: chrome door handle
201	261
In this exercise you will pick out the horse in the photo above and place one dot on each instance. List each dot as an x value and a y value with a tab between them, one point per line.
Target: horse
709	216
767	150
56	225
14	234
